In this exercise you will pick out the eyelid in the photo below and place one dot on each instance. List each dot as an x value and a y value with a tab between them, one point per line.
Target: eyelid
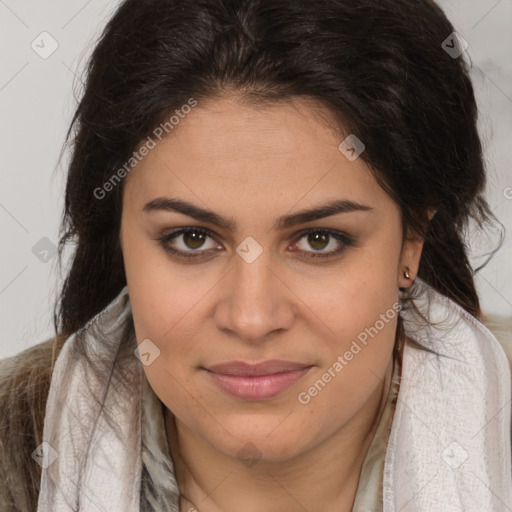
342	237
181	231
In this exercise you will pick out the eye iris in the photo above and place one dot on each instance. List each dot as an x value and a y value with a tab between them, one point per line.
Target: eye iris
193	239
315	238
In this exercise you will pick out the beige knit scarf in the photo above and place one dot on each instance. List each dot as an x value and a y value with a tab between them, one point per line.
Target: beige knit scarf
449	448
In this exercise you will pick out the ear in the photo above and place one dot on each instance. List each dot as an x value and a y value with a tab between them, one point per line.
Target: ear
409	262
410	258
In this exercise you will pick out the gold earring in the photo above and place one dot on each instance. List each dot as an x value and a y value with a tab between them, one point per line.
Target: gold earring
406	273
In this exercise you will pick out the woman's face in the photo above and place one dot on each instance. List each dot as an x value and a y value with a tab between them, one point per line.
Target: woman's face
258	287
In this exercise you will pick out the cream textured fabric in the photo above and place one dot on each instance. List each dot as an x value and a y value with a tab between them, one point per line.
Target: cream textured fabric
449	447
159	489
369	492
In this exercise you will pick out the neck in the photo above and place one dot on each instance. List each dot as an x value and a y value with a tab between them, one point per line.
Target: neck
323	478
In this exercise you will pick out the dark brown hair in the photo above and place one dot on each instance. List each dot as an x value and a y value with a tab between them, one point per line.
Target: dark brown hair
377	65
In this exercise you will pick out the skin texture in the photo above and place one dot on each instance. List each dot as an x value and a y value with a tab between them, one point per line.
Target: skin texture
252	165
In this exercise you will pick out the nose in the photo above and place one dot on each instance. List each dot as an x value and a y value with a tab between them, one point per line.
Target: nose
255	300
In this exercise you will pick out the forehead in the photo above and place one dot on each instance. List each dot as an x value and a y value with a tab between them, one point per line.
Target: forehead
224	150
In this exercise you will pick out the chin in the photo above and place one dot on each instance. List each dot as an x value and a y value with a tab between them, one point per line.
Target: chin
261	440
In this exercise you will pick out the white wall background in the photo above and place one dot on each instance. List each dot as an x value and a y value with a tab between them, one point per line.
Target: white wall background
37	103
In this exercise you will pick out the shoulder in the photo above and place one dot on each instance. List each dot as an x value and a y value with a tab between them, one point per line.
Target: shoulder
24	384
501	328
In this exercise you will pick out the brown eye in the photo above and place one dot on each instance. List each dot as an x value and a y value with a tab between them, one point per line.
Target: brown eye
318	240
187	243
194	239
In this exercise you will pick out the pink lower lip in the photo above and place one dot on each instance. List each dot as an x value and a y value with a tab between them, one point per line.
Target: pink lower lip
257	387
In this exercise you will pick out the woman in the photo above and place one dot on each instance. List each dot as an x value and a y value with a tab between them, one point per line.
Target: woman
270	304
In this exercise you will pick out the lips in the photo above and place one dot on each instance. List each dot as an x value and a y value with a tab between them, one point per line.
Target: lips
256	381
269	367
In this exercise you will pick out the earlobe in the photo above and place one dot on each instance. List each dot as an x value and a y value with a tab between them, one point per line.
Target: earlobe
410	262
411	256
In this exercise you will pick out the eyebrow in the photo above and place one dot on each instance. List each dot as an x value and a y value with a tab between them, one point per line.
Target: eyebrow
283	222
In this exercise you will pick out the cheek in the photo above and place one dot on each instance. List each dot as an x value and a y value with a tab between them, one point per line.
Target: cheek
164	313
361	320
162	298
355	358
356	294
360	308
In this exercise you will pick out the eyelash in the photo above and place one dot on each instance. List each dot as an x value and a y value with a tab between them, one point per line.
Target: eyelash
346	240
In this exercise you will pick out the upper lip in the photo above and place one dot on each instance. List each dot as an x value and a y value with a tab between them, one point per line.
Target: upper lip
269	367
